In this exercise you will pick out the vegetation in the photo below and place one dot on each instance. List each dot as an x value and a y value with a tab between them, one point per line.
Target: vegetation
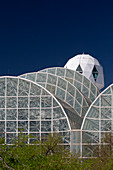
48	155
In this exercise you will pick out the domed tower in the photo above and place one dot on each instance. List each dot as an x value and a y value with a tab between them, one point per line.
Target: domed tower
89	67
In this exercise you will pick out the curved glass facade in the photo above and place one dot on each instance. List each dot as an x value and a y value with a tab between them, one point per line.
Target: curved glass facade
97	122
62	89
28	107
78	80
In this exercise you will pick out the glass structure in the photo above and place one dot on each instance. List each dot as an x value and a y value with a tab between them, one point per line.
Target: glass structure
84	85
57	100
62	89
97	122
28	107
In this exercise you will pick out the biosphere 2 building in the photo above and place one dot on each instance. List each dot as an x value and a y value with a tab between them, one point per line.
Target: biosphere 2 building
65	100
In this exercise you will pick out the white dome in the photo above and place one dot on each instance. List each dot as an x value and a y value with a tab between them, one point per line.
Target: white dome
89	67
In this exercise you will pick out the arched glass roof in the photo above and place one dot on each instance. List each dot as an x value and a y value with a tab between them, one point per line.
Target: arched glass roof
77	79
98	121
62	89
28	107
74	119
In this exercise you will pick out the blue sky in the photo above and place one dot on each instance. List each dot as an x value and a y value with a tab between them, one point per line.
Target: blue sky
46	33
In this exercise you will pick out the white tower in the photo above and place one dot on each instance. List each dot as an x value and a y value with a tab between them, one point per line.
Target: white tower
89	67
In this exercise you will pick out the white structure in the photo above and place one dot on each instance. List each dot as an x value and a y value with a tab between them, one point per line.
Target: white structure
89	67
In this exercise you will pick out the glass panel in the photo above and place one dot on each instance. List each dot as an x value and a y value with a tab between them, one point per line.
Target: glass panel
106	113
69	99
85	91
35	90
106	100
91	124
46	101
71	89
93	112
75	137
84	111
11	114
93	89
23	88
52	79
46	113
22	102
92	97
62	83
63	124
22	114
2	102
56	125
78	77
55	103
84	102
105	125
34	101
69	73
86	82
34	114
51	88
2	114
90	137
77	107
78	97
41	77
2	126
52	70
60	93
12	86
31	76
45	126
11	102
60	72
70	80
96	103
77	85
23	126
11	126
34	126
44	92
57	113
2	87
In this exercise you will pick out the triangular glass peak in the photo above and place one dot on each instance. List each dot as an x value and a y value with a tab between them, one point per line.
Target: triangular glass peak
79	69
95	73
